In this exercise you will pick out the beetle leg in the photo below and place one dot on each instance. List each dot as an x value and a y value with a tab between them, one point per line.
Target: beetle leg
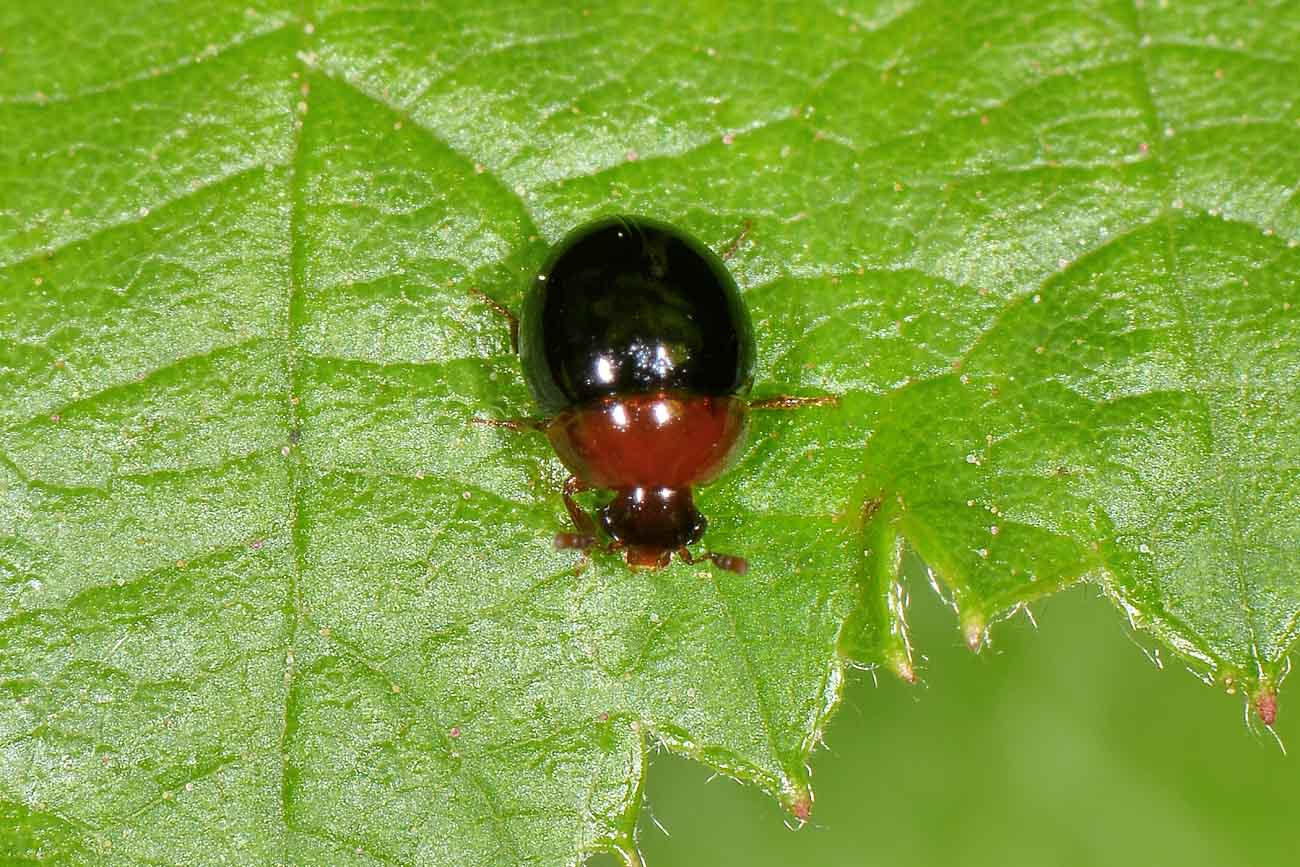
729	562
740	239
787	401
503	311
581	520
515	424
574	542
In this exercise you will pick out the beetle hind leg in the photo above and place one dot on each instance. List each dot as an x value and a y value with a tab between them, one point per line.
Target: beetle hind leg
501	310
790	401
731	248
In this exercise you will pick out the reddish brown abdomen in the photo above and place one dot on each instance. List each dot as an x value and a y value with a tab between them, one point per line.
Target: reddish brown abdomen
650	440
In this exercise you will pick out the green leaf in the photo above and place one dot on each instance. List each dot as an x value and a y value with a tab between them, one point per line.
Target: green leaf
267	590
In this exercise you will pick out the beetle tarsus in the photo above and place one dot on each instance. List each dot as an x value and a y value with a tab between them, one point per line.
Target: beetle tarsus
574	542
729	562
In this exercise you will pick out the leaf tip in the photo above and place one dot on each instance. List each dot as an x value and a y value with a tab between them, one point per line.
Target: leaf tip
975	630
1265	702
798	799
901	665
801	807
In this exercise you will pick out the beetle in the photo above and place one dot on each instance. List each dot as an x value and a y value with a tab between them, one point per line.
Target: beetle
639	351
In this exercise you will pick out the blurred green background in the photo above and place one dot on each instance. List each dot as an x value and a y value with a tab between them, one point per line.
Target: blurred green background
1061	745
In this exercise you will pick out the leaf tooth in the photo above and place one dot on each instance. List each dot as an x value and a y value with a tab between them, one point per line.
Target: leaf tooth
627	852
1265	702
901	664
797	798
877	630
974	629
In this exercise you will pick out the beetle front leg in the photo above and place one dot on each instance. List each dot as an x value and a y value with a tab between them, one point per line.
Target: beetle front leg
728	562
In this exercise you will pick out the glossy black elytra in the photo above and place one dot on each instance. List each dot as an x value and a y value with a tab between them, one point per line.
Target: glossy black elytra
638	349
628	306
